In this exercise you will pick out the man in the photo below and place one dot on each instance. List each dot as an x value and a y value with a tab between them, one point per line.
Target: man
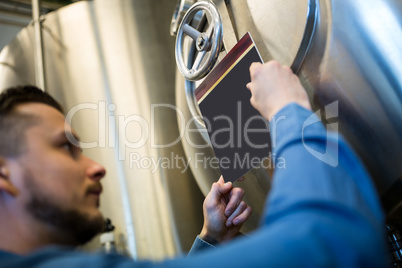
317	215
50	191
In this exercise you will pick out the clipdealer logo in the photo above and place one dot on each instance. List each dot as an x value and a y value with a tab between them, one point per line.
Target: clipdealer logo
113	129
200	160
331	155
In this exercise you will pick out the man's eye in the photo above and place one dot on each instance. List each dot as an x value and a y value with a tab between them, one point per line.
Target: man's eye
73	150
68	147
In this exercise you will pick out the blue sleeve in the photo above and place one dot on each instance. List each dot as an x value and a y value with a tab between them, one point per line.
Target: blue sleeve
323	206
199	245
322	211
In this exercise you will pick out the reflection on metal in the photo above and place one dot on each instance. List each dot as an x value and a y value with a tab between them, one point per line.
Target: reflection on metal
230	36
312	16
181	9
208	43
110	57
353	60
195	112
40	74
278	27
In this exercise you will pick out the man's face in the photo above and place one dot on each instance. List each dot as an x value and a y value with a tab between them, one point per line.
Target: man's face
59	187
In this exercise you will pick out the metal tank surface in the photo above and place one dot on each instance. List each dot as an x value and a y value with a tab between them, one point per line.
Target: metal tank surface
347	55
111	64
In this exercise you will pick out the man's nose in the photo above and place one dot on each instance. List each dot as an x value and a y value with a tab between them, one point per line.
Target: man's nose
95	171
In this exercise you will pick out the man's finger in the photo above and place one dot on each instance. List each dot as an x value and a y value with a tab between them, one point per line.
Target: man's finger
218	190
243	217
236	196
221	180
239	210
254	67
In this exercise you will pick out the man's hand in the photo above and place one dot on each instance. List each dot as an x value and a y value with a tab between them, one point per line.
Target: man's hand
224	212
273	87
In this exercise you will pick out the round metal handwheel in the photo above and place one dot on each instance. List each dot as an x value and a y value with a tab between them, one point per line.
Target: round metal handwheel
208	44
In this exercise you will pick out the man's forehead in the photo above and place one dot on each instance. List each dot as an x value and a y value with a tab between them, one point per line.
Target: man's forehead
39	109
50	118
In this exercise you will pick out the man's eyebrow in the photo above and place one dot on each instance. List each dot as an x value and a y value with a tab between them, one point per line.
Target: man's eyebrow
68	135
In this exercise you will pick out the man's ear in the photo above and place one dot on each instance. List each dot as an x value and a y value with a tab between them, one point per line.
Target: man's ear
6	185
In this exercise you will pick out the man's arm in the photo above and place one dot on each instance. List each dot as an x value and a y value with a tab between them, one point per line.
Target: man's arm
317	215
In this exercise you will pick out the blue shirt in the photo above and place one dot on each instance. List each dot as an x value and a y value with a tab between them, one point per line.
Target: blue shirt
317	214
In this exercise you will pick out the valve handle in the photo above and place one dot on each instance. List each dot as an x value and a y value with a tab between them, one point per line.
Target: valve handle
208	44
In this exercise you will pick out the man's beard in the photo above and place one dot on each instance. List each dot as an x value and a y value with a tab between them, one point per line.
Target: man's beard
70	226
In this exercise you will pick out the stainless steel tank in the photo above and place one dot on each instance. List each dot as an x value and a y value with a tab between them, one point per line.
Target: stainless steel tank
348	55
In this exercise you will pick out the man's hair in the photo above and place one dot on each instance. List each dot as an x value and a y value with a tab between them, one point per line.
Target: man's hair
14	124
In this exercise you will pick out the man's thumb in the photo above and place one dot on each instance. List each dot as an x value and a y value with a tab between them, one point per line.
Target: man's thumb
217	190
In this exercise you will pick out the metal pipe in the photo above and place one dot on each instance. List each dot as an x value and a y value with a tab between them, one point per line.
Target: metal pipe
40	77
394	242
